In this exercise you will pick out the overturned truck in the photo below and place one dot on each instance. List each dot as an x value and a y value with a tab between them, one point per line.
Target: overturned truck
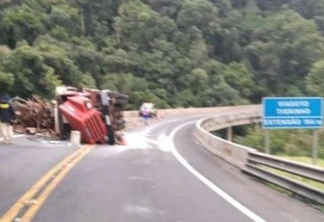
96	114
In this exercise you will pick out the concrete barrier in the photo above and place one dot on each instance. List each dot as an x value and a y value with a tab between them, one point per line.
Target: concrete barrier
223	117
233	153
194	110
133	120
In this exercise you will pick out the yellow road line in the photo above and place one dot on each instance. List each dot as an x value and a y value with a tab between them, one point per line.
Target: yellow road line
41	199
65	166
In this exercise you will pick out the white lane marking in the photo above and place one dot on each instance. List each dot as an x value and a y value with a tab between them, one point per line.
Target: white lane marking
207	182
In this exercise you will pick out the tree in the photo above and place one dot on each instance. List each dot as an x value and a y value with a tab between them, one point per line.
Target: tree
6	79
240	78
137	25
31	75
183	52
198	50
136	88
168	8
252	19
21	23
283	51
199	13
123	82
66	17
314	80
57	56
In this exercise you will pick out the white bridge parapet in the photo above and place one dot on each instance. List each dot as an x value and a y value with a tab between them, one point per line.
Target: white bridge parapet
233	153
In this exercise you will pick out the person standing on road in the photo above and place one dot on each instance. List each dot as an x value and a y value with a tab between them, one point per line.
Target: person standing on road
7	115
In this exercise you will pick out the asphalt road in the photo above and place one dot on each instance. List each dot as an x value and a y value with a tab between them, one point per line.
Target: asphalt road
144	181
22	164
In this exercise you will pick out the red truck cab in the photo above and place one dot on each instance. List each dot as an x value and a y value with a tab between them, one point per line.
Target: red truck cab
78	110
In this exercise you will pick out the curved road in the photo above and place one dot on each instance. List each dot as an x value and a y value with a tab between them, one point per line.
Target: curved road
163	175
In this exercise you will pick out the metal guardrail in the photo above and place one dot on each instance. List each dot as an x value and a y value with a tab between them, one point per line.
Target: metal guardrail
257	164
298	169
264	167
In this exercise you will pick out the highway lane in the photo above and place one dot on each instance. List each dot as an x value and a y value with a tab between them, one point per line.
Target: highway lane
136	183
265	202
22	164
145	182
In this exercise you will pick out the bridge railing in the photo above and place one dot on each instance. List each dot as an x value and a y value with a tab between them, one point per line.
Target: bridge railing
132	116
266	167
233	153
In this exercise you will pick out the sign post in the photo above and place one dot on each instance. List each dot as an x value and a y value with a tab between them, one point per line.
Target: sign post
267	141
293	113
315	146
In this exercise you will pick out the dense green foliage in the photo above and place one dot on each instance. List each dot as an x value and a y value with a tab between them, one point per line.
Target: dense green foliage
298	143
170	52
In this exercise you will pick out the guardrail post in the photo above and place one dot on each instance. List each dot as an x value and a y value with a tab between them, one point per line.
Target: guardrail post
230	134
257	126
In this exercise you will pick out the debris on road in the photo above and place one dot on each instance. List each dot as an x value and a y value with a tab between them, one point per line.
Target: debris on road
33	115
97	114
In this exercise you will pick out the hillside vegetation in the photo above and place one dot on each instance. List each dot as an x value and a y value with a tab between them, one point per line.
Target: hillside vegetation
170	52
296	144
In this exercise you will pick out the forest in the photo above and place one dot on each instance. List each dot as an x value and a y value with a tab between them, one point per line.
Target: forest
174	53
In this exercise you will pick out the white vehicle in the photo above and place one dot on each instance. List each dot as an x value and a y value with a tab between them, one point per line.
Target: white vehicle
147	110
